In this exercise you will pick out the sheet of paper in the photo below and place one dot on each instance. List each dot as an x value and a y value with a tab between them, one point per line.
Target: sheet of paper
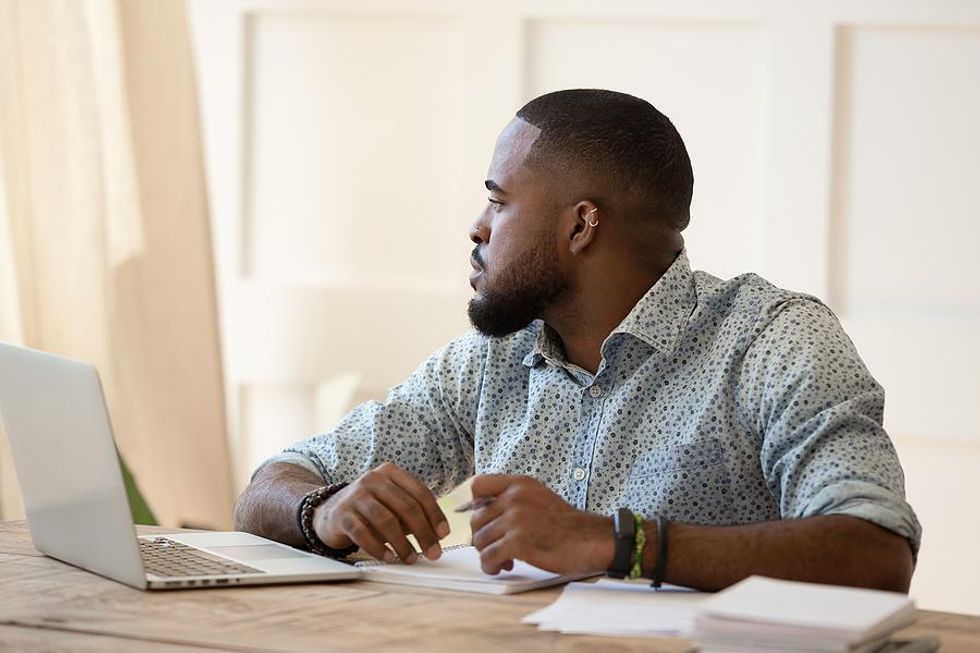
459	569
609	607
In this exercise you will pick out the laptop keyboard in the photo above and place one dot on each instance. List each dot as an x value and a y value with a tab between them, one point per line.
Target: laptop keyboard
165	557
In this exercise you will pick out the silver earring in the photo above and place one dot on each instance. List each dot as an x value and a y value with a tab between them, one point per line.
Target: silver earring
593	222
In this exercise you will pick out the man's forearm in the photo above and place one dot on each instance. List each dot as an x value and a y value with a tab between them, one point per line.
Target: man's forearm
832	549
268	505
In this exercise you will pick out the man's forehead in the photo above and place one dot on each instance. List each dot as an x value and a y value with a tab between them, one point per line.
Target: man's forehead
513	146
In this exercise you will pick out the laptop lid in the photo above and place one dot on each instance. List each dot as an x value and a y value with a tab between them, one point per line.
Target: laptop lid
66	462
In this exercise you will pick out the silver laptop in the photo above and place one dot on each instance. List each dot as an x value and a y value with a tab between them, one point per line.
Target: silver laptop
66	461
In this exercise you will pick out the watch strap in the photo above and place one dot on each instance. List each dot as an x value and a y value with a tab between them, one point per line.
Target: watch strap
624	532
660	567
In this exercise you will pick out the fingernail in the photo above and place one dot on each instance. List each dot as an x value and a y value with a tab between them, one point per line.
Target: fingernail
442	530
388	556
433	552
412	558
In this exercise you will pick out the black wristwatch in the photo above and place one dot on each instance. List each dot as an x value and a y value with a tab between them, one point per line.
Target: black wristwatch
624	529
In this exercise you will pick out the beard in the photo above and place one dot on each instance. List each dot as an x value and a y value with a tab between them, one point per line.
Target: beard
520	295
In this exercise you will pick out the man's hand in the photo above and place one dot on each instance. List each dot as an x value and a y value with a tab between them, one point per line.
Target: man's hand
383	506
527	521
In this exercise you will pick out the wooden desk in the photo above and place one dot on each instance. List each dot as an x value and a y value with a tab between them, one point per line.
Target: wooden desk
47	605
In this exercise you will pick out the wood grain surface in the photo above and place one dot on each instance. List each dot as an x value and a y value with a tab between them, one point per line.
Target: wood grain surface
51	606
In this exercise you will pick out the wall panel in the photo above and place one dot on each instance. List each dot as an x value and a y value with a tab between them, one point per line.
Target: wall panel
906	228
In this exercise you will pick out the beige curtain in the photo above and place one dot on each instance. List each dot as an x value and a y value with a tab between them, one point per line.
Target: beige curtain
10	504
108	247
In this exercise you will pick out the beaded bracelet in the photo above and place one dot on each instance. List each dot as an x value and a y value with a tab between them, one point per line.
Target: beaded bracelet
640	539
305	517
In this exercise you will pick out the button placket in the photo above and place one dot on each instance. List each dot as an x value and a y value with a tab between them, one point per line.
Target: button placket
581	474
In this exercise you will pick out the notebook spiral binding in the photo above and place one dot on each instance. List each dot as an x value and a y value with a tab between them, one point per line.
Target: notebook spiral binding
397	561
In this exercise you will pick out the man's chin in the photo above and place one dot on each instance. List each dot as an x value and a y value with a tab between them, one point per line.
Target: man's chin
490	322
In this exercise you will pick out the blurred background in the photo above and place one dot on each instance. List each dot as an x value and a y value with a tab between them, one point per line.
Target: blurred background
252	214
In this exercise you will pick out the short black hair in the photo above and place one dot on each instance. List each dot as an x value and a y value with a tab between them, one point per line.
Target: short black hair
619	138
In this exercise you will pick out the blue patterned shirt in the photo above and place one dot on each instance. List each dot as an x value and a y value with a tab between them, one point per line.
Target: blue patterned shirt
715	402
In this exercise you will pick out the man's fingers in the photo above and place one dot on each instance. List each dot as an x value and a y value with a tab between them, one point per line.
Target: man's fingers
412	516
488	534
384	522
424	497
384	506
496	556
490	485
360	533
486	514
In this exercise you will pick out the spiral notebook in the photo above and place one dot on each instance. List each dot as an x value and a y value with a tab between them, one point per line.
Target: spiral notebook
459	569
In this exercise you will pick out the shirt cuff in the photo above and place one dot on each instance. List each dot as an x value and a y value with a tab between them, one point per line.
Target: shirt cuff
869	502
294	459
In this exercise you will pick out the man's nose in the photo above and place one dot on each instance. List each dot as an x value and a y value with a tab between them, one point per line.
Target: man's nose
479	233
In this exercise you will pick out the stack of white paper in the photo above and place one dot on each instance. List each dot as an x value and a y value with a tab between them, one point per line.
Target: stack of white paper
618	608
762	614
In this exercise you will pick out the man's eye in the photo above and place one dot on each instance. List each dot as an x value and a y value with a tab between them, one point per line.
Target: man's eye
497	203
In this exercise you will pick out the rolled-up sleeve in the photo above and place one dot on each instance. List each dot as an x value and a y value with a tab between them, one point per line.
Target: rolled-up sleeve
819	411
425	425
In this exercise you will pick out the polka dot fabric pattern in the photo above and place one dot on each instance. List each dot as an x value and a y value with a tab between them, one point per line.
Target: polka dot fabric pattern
715	402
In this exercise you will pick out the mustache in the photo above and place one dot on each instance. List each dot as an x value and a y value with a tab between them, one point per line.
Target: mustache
476	257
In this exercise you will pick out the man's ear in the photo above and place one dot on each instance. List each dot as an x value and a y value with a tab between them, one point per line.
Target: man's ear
583	226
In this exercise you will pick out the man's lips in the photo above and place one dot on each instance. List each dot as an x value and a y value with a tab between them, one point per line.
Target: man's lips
477	263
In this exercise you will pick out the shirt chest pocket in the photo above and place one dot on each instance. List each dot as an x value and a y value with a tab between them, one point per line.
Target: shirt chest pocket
684	482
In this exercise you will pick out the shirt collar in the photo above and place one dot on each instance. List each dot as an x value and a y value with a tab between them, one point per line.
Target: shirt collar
661	315
658	319
546	346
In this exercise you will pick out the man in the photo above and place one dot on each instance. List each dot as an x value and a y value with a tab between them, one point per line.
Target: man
732	420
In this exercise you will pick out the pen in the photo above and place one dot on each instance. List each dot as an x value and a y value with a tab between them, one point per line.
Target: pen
475	504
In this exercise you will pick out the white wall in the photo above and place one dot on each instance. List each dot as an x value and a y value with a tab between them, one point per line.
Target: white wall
836	149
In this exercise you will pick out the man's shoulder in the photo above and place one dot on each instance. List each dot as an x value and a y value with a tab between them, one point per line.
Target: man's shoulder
754	310
752	298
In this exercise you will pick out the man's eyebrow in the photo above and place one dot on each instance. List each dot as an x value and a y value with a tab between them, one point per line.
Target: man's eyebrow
493	187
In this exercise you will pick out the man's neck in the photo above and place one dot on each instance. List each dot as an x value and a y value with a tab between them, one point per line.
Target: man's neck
588	319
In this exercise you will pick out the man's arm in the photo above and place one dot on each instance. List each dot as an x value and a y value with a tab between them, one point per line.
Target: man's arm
382	506
527	521
268	506
817	412
833	549
425	427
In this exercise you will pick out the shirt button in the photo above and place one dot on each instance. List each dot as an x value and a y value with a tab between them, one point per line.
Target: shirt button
595	391
579	474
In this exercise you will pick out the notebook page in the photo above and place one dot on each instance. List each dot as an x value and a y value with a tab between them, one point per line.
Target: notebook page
461	566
